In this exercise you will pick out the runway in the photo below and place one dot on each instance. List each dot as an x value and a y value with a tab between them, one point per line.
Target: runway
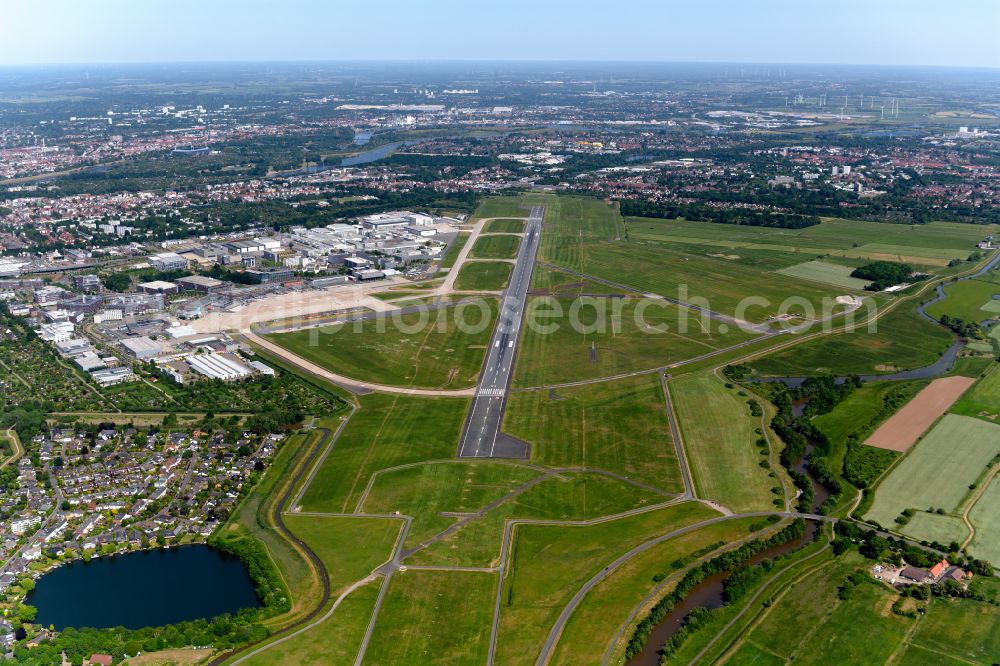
481	437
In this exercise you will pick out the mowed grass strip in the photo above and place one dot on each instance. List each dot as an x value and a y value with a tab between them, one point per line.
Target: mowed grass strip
483	276
567	496
558	283
719	438
619	426
451	256
574	227
937	472
434	617
549	563
571	339
593	625
825	272
496	247
504	226
387	430
427	490
442	348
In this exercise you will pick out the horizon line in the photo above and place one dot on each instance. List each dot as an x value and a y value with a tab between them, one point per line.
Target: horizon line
399	61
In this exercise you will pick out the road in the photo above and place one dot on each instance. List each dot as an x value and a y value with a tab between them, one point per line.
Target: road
326	440
481	437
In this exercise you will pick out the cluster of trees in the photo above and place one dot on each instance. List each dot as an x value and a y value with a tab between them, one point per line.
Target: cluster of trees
276	402
883	274
222	632
728	561
698	212
122	280
965	329
743	580
897	551
267	581
821	394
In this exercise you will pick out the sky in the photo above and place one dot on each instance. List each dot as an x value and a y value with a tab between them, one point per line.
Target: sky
895	32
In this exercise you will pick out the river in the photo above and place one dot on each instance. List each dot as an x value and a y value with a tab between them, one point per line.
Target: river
707	594
144	589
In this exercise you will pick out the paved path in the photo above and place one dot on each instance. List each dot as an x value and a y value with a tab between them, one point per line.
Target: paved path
317	564
18	449
675	434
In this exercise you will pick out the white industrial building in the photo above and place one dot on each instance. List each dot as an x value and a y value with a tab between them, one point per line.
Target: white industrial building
217	366
168	261
58	331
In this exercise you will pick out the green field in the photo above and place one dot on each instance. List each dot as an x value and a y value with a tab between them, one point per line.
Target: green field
719	436
503	226
618	426
350	548
425	491
535	591
483	276
434	617
717	283
451	256
811	624
566	496
567	340
966	300
512	206
985	517
545	281
983	399
937	473
965	629
496	247
426	349
929	244
575	227
825	272
903	340
335	641
386	431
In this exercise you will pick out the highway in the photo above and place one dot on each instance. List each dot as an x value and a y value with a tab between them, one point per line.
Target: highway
481	437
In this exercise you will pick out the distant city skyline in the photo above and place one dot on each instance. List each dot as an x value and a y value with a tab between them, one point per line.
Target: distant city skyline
961	33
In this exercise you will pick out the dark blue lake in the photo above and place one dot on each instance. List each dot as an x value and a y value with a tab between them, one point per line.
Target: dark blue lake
144	589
